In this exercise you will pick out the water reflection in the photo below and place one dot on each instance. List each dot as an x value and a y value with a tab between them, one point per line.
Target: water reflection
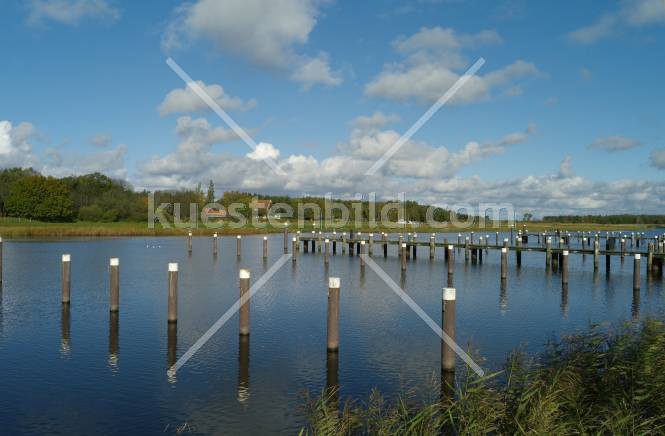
635	306
503	297
332	380
243	369
65	344
564	300
114	340
171	343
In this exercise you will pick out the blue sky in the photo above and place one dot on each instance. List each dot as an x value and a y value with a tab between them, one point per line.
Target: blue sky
564	116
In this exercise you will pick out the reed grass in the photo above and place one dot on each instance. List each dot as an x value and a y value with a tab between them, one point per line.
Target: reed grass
601	381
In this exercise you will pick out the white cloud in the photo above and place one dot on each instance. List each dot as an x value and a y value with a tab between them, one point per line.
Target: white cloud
15	148
312	71
185	100
376	120
657	158
433	63
70	12
633	13
101	140
615	143
267	33
264	151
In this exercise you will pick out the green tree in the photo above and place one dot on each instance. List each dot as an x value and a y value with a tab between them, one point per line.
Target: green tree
210	198
8	177
40	198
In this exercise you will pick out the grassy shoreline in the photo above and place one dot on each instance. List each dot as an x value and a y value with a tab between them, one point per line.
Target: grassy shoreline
11	228
593	382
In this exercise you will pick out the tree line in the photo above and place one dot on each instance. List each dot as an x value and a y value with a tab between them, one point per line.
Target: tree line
607	219
25	193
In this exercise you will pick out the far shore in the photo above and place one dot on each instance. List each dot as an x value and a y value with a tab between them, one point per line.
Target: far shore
14	228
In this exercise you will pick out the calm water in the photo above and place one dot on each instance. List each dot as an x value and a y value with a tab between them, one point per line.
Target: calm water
83	372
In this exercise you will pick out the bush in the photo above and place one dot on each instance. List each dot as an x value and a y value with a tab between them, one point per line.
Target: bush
110	215
90	213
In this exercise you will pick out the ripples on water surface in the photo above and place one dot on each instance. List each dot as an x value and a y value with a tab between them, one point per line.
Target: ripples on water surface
82	371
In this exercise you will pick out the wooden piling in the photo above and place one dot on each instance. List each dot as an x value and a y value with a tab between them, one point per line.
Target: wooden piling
294	250
286	238
189	242
326	251
370	243
448	315
385	244
466	249
214	244
504	263
333	313
403	256
334	244
518	252
114	284
265	247
451	259
431	247
244	275
636	272
238	245
344	243
363	248
650	257
596	254
564	267
173	292
66	278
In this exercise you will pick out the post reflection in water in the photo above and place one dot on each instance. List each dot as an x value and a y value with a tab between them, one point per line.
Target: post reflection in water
171	344
635	307
402	280
114	341
243	369
503	297
564	300
332	380
65	343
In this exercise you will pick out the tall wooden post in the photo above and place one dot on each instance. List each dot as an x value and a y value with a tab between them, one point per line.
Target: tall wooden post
504	263
114	284
363	249
448	314
432	246
286	238
636	272
214	244
294	249
238	245
66	278
173	293
265	247
403	256
333	313
326	252
189	242
564	267
244	301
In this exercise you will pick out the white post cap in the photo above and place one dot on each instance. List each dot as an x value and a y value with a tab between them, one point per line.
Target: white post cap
505	239
450	247
239	237
114	261
362	242
638	256
265	238
0	238
449	294
66	257
294	239
403	245
565	252
214	235
333	282
504	250
173	267
244	273
371	235
327	240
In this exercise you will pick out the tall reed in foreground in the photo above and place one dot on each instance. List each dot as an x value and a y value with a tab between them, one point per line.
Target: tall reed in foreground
596	382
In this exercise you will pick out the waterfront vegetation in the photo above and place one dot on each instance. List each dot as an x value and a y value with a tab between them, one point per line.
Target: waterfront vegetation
601	381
